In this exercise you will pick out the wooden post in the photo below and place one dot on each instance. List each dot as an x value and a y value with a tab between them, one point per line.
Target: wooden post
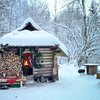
55	68
21	83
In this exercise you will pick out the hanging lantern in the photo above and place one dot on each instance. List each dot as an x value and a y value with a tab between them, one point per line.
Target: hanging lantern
27	58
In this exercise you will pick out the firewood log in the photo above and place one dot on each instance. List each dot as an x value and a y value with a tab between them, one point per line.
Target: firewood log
10	64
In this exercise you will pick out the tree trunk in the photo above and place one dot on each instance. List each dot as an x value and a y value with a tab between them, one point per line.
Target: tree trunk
85	35
55	18
85	32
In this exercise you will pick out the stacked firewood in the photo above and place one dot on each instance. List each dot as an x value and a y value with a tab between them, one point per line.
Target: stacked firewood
10	64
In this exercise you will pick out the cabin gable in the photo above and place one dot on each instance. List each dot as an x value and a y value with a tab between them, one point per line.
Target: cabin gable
29	27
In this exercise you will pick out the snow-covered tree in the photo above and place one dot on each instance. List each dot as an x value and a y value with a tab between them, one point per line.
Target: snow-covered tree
94	31
39	11
12	13
75	32
4	11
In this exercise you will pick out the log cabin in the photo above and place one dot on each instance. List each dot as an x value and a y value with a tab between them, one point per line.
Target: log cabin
32	52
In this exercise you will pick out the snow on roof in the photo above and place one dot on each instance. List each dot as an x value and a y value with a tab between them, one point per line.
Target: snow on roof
22	37
32	38
29	20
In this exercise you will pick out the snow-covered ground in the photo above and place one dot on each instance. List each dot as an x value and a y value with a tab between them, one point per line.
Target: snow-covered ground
71	86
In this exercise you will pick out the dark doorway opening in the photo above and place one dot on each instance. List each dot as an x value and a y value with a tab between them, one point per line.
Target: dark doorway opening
27	62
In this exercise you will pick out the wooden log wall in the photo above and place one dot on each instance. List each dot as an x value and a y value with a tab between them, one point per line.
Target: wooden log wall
11	63
46	61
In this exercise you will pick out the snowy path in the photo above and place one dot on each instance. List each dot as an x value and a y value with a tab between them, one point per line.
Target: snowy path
71	86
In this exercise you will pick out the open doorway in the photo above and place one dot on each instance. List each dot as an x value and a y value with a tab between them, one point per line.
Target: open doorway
27	62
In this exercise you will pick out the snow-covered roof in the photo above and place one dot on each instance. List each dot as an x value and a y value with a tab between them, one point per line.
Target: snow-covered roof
29	20
31	38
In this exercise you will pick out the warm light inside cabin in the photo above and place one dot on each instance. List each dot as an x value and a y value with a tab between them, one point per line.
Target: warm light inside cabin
26	63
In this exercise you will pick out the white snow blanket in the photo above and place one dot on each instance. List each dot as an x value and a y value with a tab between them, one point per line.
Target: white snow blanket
71	86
